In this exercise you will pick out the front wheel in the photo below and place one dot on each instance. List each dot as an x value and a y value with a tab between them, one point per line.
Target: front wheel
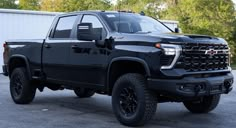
203	105
133	104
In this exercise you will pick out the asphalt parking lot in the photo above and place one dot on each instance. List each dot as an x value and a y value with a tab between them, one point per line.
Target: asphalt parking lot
62	109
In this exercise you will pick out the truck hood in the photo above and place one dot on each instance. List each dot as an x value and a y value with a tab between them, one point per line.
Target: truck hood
189	38
169	38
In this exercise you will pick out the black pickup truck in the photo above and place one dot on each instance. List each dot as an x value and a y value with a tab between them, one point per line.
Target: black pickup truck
133	58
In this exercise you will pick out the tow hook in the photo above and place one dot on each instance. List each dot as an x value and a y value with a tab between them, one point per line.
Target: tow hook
197	89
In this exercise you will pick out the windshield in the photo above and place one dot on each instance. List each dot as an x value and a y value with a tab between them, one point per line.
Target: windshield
134	23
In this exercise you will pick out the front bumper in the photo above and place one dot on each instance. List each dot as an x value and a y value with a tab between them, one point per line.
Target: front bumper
4	69
191	86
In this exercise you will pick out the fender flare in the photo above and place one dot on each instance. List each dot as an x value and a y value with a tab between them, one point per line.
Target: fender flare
25	60
134	59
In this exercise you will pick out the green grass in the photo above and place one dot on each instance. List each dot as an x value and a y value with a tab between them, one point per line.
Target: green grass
233	66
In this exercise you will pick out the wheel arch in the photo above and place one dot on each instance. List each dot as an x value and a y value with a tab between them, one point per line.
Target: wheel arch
18	61
132	63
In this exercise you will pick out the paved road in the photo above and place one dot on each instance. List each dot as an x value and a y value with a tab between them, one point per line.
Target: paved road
62	109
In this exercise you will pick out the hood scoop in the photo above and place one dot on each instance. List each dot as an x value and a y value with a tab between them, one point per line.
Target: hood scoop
200	37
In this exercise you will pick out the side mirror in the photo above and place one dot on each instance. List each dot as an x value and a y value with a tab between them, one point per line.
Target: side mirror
85	31
177	30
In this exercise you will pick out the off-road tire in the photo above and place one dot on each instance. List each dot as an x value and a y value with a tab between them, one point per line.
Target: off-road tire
146	100
203	105
22	92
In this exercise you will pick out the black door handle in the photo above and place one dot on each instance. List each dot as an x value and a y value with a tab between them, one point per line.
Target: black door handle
47	46
74	46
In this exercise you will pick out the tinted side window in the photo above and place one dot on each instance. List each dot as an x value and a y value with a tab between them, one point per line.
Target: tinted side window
64	27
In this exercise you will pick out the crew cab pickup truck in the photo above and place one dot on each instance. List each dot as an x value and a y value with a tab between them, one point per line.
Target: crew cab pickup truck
133	58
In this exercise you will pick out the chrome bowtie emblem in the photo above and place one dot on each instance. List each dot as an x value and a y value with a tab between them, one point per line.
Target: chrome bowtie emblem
211	52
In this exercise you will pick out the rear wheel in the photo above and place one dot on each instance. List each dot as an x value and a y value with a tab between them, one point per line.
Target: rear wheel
22	92
203	105
84	93
133	104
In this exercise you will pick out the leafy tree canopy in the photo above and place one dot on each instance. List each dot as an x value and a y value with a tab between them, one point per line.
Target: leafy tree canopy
10	4
74	5
29	4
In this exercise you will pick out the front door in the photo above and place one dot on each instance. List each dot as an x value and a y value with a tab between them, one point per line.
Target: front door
88	62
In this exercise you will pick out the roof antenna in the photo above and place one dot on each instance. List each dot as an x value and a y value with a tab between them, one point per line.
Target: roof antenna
119	7
119	2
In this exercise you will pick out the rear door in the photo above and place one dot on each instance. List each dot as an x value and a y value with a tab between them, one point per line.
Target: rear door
56	49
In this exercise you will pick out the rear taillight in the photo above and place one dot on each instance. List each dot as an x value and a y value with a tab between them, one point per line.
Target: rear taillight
4	45
5	52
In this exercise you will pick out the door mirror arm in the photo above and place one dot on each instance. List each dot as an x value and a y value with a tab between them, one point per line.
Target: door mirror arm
100	43
105	43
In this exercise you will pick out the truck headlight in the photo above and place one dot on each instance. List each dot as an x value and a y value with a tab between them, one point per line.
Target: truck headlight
171	50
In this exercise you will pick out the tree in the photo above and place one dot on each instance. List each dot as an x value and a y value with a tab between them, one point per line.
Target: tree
49	5
74	5
10	4
29	4
150	7
95	4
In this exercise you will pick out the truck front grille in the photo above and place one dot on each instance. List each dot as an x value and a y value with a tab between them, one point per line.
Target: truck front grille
203	57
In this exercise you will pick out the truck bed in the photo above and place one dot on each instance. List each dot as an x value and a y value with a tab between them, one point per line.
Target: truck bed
26	49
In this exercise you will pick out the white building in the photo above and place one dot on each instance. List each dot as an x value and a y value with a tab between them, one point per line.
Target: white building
22	24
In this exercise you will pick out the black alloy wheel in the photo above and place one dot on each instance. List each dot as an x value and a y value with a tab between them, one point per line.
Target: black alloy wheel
21	88
128	101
